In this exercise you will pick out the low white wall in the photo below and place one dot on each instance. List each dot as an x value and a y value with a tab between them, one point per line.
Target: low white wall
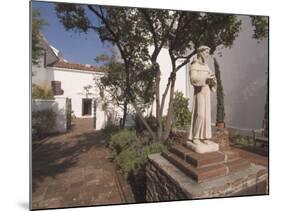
58	105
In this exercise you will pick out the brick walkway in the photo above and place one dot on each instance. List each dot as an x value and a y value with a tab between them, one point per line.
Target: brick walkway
75	169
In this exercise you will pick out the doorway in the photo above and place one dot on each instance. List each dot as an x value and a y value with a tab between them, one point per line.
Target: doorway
86	107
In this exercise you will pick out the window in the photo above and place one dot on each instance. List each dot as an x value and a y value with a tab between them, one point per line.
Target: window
86	107
56	87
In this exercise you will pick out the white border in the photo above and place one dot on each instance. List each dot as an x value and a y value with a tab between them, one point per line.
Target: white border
14	107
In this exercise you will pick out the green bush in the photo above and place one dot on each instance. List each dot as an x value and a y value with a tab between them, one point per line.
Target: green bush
128	161
41	92
122	140
182	115
240	139
151	149
43	123
170	142
109	130
131	160
131	152
151	121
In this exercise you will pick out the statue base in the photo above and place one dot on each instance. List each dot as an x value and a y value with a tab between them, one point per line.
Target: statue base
166	181
200	147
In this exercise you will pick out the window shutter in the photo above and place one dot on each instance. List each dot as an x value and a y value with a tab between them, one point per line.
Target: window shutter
56	87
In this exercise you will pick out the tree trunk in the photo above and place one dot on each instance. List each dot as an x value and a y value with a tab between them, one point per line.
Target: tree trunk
157	95
170	114
124	114
153	135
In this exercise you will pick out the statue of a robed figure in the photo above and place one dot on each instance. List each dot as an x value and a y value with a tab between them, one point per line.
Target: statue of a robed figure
203	81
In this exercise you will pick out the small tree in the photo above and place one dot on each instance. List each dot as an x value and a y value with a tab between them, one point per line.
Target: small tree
220	95
37	24
112	85
182	115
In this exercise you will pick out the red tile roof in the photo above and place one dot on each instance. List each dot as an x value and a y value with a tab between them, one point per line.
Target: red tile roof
68	65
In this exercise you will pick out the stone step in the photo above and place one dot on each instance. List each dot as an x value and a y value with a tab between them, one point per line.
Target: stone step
237	165
196	159
198	174
208	172
206	159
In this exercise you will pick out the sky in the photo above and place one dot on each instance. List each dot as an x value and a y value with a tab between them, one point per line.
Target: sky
74	46
243	66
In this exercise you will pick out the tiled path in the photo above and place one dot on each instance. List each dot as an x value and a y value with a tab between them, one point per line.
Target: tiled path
75	169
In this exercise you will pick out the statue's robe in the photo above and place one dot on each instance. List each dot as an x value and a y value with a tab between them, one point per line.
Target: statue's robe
201	110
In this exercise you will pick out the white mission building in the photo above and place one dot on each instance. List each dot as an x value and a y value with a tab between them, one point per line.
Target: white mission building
68	80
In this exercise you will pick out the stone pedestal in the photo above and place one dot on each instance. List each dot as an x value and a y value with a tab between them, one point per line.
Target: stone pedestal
167	182
203	147
181	173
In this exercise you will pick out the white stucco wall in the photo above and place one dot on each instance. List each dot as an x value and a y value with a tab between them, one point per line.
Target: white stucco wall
58	105
182	79
73	83
40	76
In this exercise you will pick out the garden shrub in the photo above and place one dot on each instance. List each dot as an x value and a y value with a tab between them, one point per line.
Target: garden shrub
128	161
131	153
39	92
122	140
182	115
170	142
240	139
109	130
131	159
43	123
151	149
151	121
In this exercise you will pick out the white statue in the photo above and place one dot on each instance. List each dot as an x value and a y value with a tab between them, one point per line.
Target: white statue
203	81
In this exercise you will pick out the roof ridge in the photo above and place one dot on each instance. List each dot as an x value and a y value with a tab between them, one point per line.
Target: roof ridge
71	65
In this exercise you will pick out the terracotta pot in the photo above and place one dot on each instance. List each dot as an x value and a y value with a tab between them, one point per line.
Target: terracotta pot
220	124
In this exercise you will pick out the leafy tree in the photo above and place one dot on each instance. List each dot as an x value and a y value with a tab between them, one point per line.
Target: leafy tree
134	30
187	31
120	27
112	86
261	27
37	24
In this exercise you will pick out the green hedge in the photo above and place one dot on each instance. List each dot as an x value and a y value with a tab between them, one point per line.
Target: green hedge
122	140
131	151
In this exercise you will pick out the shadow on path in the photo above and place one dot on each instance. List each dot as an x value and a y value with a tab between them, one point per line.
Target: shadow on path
74	169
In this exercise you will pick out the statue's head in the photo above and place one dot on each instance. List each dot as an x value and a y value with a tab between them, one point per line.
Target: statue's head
203	52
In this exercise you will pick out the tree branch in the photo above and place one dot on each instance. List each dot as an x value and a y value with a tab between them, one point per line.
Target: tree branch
164	95
187	59
168	32
150	24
